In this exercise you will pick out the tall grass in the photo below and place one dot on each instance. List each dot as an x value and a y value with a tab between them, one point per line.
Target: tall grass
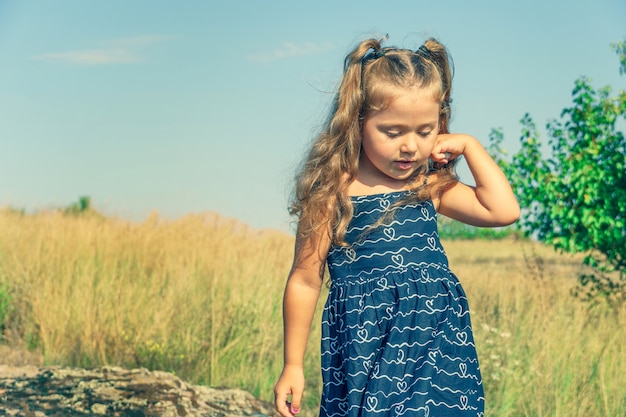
201	297
542	352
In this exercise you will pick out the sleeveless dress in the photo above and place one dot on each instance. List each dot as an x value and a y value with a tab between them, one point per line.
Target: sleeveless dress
396	332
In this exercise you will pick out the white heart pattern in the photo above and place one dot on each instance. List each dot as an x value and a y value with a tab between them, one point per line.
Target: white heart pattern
382	283
403	386
397	259
372	402
463	369
338	376
464	402
362	333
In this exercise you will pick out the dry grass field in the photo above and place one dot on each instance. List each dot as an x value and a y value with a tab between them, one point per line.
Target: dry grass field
201	297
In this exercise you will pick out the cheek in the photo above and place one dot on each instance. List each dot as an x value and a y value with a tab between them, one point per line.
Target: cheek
427	146
368	143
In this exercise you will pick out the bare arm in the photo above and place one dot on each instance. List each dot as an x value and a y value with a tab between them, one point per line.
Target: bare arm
491	202
299	304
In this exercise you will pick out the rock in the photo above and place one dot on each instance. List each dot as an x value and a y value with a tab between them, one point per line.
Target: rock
31	391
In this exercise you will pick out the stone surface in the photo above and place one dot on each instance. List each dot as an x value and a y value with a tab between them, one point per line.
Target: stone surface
32	391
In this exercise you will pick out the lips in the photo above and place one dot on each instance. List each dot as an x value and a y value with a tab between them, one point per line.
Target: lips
404	165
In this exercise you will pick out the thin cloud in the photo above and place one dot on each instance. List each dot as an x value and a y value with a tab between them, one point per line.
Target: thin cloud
92	56
117	51
290	50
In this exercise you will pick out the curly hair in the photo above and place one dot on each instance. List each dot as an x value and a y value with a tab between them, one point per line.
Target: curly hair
321	201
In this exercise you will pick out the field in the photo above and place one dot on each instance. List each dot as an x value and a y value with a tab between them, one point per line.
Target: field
201	297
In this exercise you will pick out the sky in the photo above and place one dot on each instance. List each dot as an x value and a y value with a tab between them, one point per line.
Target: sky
181	107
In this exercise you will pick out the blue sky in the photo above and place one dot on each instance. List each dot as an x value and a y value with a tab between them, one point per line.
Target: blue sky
181	107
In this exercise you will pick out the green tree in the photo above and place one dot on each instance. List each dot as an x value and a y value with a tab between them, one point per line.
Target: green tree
82	206
575	197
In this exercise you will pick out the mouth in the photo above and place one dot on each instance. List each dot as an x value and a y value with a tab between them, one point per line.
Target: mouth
404	165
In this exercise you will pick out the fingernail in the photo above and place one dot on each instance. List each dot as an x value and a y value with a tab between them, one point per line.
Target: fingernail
296	410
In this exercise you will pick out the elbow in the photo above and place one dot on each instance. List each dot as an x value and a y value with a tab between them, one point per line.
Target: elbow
510	216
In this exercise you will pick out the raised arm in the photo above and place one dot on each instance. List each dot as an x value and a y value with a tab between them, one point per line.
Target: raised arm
299	304
491	202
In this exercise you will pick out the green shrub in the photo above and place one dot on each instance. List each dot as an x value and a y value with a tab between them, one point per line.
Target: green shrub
450	229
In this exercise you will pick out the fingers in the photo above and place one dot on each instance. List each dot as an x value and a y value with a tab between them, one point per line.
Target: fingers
442	157
442	153
296	397
286	408
282	405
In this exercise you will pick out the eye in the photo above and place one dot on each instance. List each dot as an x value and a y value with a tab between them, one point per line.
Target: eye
393	133
425	134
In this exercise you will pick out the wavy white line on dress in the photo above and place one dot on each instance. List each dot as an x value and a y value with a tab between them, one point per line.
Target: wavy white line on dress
387	239
453	391
353	229
387	254
378	196
377	273
380	209
437	404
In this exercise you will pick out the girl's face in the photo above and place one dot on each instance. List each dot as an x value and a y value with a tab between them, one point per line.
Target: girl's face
399	139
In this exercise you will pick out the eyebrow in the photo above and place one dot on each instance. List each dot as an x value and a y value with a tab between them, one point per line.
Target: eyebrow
431	125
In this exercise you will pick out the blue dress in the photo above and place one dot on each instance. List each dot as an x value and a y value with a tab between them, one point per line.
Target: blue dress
396	332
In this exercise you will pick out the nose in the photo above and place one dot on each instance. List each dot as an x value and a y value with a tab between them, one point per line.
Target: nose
409	143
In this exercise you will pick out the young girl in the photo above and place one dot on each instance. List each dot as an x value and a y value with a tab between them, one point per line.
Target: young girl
396	332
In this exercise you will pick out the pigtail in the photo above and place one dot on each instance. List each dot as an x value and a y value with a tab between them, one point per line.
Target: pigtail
347	121
437	53
321	201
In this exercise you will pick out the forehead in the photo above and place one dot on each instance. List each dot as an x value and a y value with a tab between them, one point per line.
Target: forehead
407	104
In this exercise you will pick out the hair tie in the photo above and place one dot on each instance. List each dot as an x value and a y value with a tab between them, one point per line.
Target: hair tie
373	54
424	52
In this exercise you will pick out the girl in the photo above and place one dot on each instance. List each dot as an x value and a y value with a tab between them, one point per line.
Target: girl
396	332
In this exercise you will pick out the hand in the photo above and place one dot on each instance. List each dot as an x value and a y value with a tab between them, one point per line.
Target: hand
290	383
448	147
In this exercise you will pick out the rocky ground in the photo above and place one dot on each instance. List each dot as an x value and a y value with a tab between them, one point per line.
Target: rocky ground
28	389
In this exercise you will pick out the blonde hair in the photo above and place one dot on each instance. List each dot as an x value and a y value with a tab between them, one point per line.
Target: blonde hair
321	201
